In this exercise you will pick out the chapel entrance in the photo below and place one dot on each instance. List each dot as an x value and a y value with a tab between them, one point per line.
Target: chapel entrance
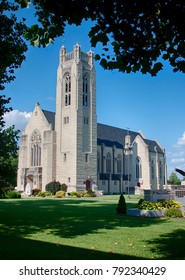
34	177
88	184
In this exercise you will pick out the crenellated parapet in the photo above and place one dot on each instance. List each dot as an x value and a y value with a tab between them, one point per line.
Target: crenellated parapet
77	55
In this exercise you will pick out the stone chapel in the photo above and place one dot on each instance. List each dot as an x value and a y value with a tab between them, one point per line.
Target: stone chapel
69	146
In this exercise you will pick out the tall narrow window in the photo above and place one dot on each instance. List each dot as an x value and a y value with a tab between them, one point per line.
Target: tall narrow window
119	163
67	90
108	163
85	91
98	162
152	169
86	157
36	148
65	157
138	168
160	170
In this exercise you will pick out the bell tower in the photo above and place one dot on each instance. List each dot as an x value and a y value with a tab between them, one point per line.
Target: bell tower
76	127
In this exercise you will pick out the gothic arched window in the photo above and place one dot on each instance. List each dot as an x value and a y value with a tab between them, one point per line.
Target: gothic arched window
138	168
152	169
36	148
85	91
119	163
108	163
160	170
67	90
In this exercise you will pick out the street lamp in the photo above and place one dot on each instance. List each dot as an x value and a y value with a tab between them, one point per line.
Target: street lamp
128	152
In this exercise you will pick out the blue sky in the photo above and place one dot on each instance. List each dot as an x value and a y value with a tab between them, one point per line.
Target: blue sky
154	105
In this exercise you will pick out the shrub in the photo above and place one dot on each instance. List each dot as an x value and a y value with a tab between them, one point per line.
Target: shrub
36	191
64	187
173	213
2	193
121	207
79	194
90	193
172	204
4	188
166	204
60	194
140	202
72	194
44	194
145	205
76	194
13	194
53	187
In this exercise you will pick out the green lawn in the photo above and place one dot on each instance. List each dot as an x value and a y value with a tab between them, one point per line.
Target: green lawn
85	228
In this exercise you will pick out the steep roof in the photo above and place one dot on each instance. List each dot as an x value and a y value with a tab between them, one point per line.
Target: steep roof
111	136
114	136
50	116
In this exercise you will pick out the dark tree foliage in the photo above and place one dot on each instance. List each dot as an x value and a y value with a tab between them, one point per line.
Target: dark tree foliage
12	43
8	155
135	35
3	109
53	187
12	49
121	207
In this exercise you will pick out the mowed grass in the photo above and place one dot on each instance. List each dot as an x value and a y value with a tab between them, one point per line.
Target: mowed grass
86	228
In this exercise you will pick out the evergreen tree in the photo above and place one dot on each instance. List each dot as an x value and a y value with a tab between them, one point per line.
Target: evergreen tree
121	207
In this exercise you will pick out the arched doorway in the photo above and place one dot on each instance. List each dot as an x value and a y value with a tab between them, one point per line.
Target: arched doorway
88	184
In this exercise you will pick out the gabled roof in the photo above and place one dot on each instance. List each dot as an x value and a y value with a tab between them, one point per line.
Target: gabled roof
114	136
50	116
111	136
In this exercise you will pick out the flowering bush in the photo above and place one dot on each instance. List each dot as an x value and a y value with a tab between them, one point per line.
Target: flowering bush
166	204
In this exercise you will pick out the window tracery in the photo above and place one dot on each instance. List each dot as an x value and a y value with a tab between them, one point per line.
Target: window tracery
67	97
85	91
36	148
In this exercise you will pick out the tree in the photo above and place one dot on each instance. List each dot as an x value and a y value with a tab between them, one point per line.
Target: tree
173	179
121	207
135	35
9	155
12	49
12	43
3	110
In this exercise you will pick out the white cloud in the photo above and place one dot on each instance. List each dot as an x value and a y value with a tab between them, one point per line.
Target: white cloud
181	140
176	156
17	118
177	160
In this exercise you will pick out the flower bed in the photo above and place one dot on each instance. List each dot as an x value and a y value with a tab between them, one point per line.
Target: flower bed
156	209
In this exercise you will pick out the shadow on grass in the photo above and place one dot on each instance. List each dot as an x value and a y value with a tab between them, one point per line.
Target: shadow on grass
171	245
19	219
64	218
27	249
